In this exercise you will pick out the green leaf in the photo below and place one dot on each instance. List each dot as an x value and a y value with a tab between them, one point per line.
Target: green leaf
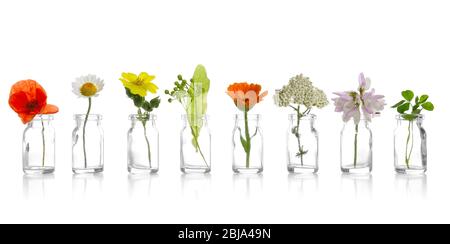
398	104
428	106
200	77
416	111
198	93
408	95
403	108
424	98
244	144
409	117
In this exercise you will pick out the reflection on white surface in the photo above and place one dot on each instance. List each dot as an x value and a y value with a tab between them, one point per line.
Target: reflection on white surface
140	185
248	184
196	185
357	186
411	185
303	184
85	185
36	186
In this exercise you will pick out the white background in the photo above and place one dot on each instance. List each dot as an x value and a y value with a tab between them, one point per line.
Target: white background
398	44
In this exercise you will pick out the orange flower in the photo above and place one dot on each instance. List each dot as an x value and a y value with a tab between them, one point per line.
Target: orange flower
28	99
246	96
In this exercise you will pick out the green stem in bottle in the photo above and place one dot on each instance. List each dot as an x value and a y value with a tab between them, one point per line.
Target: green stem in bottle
355	155
248	140
408	140
84	132
43	142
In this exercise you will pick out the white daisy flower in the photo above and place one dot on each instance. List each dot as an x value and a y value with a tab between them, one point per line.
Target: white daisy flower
87	86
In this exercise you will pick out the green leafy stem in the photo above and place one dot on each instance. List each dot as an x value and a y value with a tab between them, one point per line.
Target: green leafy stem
247	140
296	132
144	109
192	96
410	109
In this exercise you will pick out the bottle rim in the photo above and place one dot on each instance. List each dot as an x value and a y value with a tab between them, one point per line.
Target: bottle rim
91	117
306	117
43	117
138	117
417	116
241	116
204	117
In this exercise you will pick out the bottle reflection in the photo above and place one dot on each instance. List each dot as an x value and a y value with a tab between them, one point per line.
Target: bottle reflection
196	185
411	186
248	184
303	184
37	186
357	186
140	185
87	185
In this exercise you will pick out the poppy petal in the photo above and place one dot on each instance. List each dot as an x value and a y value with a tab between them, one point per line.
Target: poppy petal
18	102
26	118
50	109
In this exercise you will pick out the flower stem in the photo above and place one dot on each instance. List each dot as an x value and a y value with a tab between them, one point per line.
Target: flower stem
143	119
197	145
355	156
43	142
248	139
84	132
408	140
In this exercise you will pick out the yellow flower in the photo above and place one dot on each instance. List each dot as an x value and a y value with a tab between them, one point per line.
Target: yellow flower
139	85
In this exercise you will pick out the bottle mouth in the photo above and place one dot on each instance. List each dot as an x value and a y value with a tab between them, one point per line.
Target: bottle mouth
204	117
142	117
305	117
90	117
409	117
43	117
249	116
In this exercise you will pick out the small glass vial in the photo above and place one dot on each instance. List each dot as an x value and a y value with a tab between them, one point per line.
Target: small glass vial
195	151
38	147
356	148
87	144
247	144
302	144
143	144
410	147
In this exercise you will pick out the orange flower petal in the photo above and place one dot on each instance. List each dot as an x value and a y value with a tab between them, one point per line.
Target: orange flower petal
26	118
50	109
244	95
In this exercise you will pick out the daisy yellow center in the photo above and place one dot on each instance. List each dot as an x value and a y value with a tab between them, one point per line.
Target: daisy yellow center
88	89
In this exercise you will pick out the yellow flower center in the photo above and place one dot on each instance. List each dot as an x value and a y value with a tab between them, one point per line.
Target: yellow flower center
139	82
88	89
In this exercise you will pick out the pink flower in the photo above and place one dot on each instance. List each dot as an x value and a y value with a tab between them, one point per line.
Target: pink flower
372	104
348	104
354	104
364	83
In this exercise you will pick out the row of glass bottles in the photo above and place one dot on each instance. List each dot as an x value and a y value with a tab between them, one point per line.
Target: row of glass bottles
143	146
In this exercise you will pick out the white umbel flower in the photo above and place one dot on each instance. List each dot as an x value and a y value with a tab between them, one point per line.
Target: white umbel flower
87	86
300	91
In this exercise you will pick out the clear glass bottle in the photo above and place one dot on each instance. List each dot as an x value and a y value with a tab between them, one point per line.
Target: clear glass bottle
356	148
87	144
302	144
38	146
195	153
410	147
250	160
143	144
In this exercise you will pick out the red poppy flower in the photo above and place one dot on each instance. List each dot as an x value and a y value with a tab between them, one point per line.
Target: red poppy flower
28	99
